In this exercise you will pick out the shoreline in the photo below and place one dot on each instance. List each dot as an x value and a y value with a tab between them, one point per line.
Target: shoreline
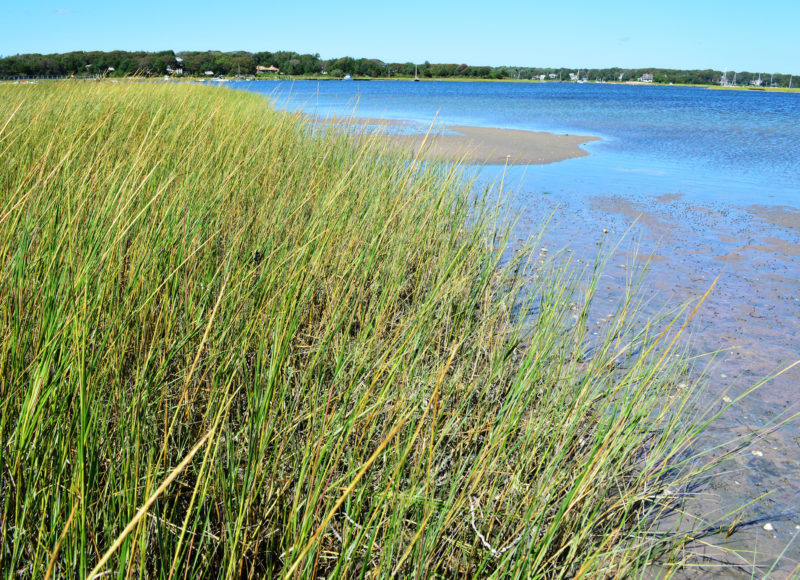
747	328
520	81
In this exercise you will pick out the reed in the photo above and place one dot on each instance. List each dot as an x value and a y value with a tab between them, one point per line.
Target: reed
234	345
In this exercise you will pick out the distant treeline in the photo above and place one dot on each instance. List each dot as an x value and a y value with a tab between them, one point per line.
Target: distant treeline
123	63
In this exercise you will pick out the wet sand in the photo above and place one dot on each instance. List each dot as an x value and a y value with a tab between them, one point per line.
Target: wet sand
748	329
471	145
490	146
787	217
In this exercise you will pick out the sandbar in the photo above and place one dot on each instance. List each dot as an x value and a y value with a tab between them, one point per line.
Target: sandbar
476	145
491	146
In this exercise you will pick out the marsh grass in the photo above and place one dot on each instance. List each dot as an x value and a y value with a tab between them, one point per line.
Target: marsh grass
231	349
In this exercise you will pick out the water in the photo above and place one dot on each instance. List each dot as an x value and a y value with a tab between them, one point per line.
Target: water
707	183
734	145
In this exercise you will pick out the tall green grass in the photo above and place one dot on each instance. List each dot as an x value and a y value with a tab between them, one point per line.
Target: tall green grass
231	349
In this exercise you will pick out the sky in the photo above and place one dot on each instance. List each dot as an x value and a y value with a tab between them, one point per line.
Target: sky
737	35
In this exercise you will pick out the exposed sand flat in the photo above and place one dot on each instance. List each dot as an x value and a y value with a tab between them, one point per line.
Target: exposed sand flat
783	216
476	145
485	145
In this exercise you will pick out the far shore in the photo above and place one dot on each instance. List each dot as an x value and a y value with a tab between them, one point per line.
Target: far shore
321	78
522	81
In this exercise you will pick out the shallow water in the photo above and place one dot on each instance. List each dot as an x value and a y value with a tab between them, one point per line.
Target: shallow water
705	182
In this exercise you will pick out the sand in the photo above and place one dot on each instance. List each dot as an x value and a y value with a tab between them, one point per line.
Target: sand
783	216
751	322
477	145
489	146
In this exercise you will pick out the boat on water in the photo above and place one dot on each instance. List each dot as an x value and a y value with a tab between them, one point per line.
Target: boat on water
416	76
347	77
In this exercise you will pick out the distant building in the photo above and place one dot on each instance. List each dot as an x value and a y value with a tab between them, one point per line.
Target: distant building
573	76
542	77
209	73
260	70
646	78
552	75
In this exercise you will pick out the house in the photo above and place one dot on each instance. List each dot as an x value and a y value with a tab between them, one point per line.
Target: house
552	75
209	73
260	70
646	78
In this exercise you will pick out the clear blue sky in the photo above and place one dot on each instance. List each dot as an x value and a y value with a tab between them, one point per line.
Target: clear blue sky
753	35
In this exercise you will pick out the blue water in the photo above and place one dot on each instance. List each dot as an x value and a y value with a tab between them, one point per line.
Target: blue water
733	146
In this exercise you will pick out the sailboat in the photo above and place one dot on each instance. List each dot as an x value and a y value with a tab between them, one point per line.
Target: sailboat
416	76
